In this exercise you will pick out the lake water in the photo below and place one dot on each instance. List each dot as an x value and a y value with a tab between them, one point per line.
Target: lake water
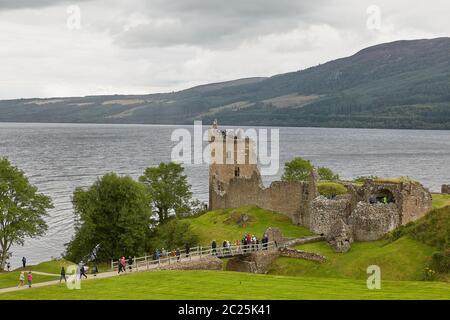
60	157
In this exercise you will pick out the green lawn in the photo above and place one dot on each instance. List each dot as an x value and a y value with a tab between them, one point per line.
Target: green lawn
52	266
403	259
224	224
11	279
440	200
233	285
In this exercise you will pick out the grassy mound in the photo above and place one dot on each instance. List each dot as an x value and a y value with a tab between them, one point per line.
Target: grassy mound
200	285
329	189
229	225
403	259
433	229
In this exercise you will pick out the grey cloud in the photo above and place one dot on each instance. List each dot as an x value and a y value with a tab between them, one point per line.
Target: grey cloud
215	22
24	4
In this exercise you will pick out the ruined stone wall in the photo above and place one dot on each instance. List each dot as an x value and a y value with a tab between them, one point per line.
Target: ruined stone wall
280	196
292	253
416	201
207	263
256	262
445	189
372	221
325	212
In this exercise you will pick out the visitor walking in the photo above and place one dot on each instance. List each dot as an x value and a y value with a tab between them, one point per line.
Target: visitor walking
83	272
95	270
119	267
8	266
130	263
62	275
21	279
178	253
188	250
122	263
24	262
214	248
30	279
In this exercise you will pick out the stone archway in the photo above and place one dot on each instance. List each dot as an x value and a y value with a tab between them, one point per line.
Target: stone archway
382	196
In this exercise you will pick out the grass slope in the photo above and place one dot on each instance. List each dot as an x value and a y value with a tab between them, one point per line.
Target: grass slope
232	285
224	224
403	259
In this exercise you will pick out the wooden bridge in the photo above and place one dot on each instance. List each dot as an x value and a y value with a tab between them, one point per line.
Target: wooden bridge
195	253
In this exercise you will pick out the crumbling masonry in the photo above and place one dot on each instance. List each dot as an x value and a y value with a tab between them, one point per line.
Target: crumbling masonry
369	210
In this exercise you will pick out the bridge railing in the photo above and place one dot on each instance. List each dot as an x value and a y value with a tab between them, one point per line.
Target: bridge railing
148	262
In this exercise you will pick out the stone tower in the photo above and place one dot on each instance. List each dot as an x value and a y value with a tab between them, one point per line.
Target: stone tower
232	155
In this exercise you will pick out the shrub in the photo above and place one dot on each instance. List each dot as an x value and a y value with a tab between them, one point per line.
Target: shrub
441	261
174	234
331	189
429	274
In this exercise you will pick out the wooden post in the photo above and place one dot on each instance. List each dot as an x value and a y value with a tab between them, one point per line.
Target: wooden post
112	265
146	261
135	263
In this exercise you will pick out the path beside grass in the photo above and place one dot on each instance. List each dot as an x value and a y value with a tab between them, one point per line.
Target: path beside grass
102	275
200	285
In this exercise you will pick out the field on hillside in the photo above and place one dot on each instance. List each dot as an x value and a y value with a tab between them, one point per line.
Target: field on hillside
200	285
403	259
224	224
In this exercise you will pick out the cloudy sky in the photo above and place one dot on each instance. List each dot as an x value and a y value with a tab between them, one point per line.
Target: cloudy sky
55	48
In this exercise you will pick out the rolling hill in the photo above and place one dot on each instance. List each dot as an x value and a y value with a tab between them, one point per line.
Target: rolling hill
402	84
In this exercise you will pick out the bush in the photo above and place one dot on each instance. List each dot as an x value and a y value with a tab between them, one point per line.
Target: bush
331	189
173	234
429	274
440	261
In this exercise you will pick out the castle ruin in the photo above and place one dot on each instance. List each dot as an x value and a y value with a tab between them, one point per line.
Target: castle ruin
369	210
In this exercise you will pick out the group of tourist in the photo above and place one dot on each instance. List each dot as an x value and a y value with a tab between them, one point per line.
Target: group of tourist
123	264
22	278
163	254
249	242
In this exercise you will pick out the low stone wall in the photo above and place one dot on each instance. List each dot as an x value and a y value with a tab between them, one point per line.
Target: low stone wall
292	253
305	240
256	262
207	263
445	189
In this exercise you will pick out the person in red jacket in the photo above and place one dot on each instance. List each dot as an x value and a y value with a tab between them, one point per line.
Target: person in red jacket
122	263
30	279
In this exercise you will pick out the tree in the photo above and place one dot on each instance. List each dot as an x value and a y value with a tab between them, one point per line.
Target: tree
297	169
22	209
173	234
169	190
112	217
327	174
